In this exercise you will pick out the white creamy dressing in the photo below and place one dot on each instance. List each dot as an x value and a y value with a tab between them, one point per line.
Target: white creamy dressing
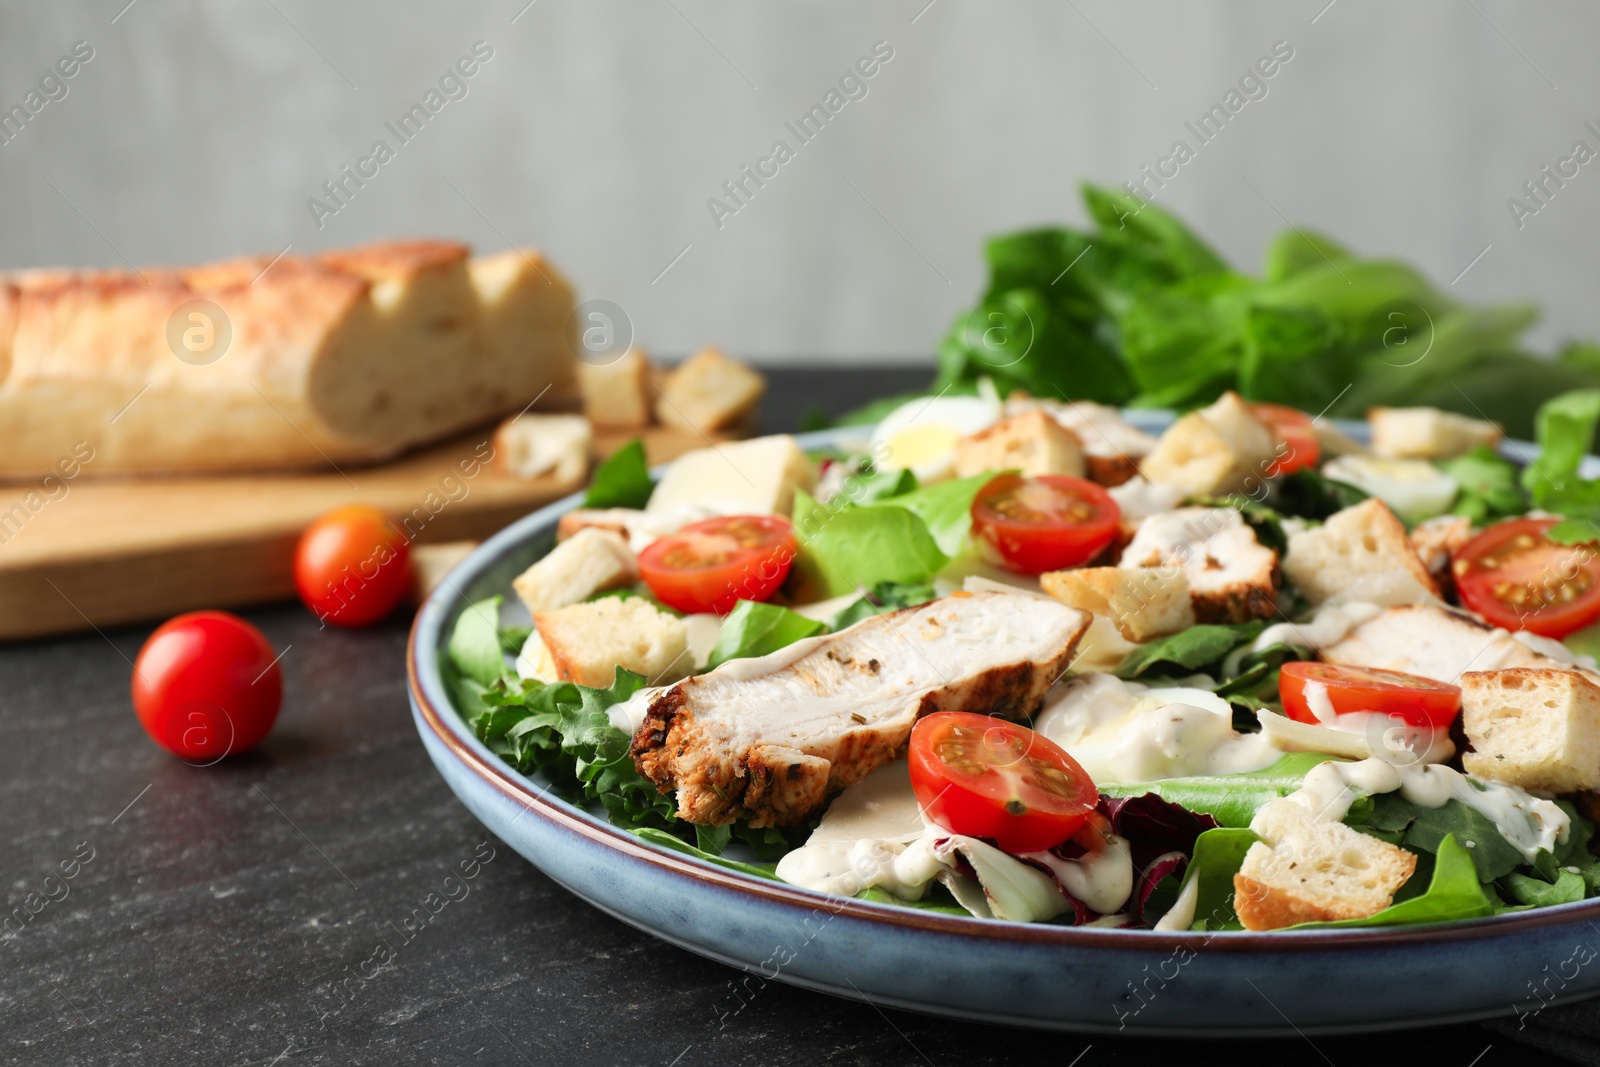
1330	625
1181	915
1359	735
1549	646
1318	703
1127	732
1527	822
874	834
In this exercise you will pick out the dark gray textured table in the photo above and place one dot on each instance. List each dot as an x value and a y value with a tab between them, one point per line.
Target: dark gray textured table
230	914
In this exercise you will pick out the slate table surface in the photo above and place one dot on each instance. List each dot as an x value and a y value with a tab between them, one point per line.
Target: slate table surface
216	912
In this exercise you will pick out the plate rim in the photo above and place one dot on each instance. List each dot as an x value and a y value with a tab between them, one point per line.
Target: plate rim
424	683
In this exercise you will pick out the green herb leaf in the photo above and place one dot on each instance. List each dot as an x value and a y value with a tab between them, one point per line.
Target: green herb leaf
755	629
622	481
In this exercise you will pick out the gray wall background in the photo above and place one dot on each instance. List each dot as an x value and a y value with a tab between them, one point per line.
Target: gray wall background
600	128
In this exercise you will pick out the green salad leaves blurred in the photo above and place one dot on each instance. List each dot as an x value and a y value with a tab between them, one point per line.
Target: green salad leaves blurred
1140	311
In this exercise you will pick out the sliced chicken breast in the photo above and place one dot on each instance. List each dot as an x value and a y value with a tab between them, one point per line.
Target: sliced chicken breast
771	739
1232	576
1441	644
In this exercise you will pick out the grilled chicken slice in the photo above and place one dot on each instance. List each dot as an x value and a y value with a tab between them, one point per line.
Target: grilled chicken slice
1441	644
1232	576
771	739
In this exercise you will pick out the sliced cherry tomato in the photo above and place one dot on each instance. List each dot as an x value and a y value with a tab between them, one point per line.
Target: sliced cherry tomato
1419	701
1299	446
1516	578
986	777
207	685
352	566
1044	523
712	565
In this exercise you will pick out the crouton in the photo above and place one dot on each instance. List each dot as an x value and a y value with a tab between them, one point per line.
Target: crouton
1031	442
755	477
589	562
1112	446
1532	727
1232	577
1141	604
1334	442
1435	539
1306	869
586	643
430	563
1428	433
527	446
1219	449
617	394
709	393
637	528
1360	553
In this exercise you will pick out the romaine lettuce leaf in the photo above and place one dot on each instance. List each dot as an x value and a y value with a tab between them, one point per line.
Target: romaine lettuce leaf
1231	799
622	481
755	629
850	548
474	646
1565	428
945	507
885	596
1217	857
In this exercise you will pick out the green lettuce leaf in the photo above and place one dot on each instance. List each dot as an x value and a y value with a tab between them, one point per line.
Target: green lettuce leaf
474	647
944	507
885	596
1424	830
1231	799
622	481
1489	489
1192	649
1218	855
1311	496
1565	427
854	548
1569	886
754	629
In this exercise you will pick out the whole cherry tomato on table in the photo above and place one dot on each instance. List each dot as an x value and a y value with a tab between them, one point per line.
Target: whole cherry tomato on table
352	566
985	777
207	685
710	566
1044	523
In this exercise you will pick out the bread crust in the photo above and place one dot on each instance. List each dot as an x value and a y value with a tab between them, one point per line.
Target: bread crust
345	357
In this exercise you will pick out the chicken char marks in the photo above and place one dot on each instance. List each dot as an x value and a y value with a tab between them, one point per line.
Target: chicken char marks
770	740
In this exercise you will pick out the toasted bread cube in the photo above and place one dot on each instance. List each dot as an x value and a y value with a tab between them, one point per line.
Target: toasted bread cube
1031	442
1360	553
430	564
1306	869
1219	449
586	643
587	563
1537	728
1428	433
1112	446
709	393
1142	604
755	477
527	446
617	395
1232	577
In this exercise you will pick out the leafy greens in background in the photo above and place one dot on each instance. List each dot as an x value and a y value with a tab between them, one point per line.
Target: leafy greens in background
1489	489
1565	429
1138	310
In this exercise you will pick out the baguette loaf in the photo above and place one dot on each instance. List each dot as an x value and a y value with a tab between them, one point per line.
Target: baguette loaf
344	357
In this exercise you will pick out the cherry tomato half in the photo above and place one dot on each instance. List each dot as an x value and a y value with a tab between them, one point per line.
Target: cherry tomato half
986	777
1299	446
1418	701
712	565
207	685
1044	523
1516	578
352	566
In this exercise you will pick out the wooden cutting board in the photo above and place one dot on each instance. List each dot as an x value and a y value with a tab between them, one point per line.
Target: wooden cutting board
90	555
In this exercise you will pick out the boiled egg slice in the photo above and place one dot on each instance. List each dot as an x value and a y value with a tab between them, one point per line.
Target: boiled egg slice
921	435
1414	489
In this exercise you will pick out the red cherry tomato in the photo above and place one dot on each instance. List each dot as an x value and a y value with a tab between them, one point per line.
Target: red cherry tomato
1515	577
710	566
986	777
1044	523
207	685
1419	701
1298	443
352	566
